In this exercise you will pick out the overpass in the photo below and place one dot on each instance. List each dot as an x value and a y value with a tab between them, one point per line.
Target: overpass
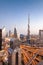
25	55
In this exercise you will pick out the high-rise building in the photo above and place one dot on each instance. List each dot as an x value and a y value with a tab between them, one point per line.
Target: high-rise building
4	31
28	31
0	39
40	38
16	57
9	33
15	33
41	34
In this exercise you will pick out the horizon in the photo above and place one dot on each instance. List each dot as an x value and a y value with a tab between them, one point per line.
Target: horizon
14	13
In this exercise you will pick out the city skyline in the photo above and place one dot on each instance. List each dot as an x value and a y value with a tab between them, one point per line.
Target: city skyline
14	13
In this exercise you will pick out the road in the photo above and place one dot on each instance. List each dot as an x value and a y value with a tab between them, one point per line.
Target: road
26	55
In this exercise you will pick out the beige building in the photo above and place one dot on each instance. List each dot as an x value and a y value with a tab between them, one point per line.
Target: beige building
40	40
41	34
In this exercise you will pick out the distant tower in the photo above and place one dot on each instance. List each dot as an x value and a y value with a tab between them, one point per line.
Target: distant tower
9	33
15	33
28	33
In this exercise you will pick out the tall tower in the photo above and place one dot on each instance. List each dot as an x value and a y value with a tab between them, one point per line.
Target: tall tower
28	28
28	31
15	33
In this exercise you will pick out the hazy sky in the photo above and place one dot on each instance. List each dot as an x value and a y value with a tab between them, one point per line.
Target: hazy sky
14	13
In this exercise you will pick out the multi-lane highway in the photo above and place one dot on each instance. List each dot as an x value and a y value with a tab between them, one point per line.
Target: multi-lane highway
31	55
27	55
24	55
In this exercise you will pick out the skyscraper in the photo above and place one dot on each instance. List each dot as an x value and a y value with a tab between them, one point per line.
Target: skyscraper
15	33
28	31
9	33
41	34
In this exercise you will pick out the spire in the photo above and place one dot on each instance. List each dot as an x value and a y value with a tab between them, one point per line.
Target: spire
28	34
